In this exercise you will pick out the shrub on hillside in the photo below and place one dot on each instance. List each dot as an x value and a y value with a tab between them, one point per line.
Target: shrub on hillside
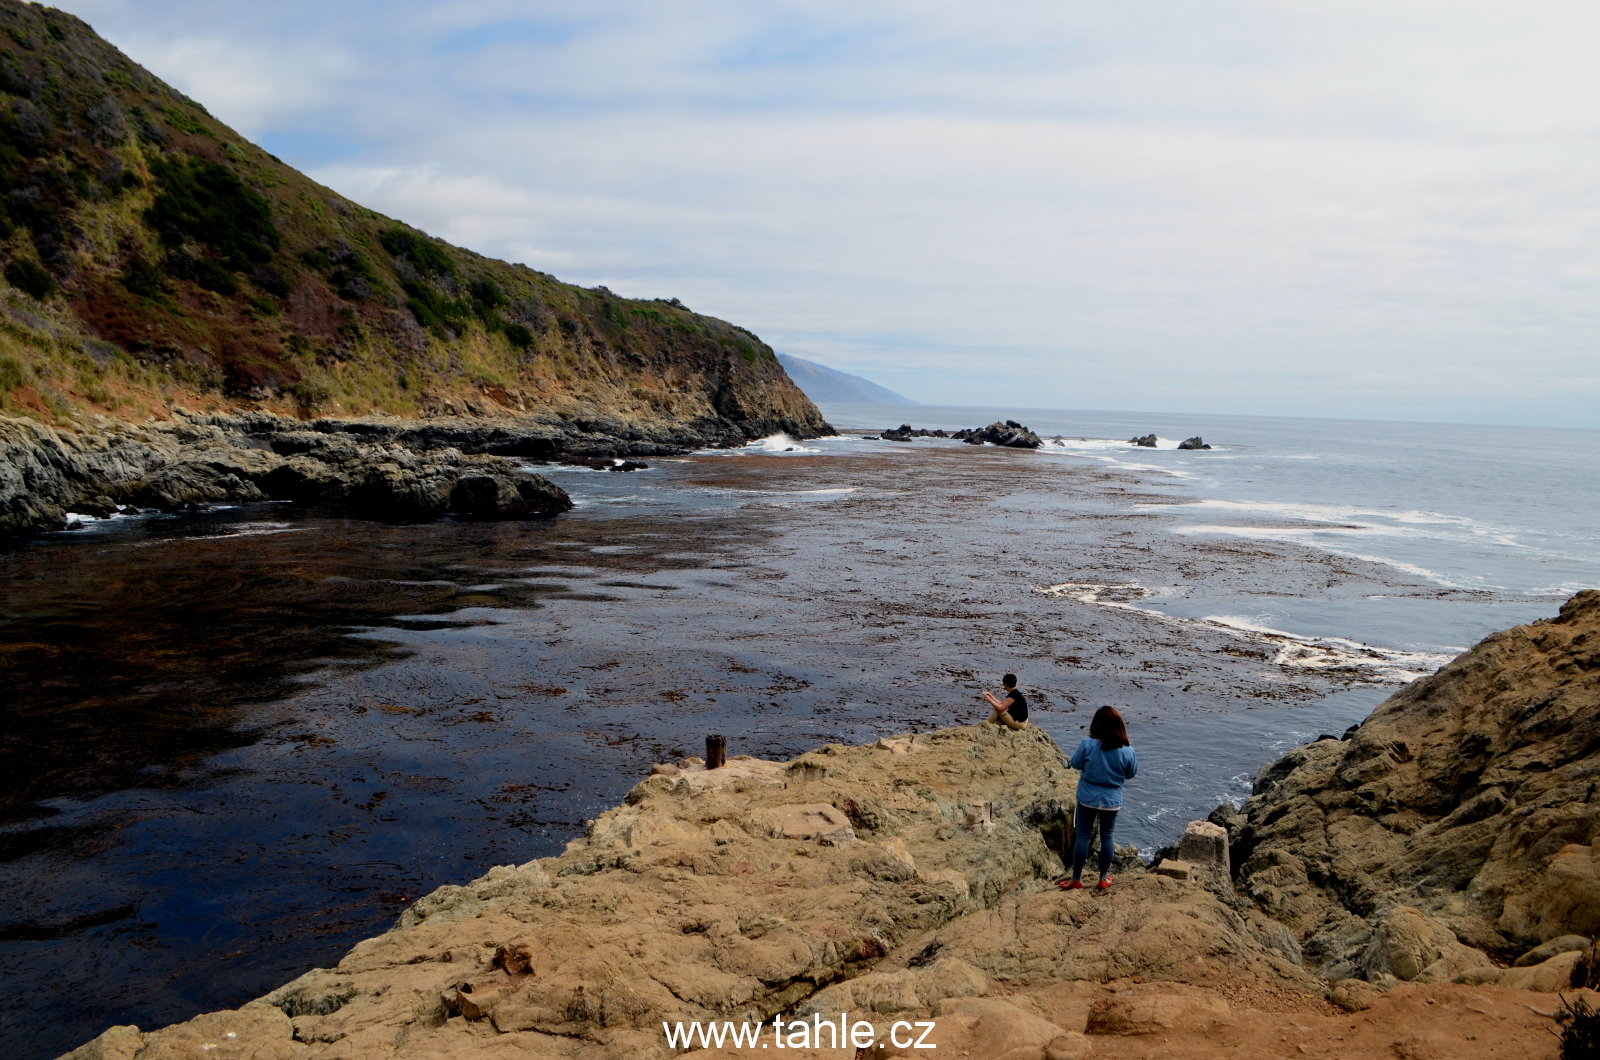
519	336
423	253
206	203
30	278
142	278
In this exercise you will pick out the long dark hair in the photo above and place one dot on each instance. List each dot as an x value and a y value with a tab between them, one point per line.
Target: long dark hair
1107	727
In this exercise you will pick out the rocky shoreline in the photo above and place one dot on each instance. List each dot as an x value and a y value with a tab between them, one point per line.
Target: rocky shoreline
380	468
1395	873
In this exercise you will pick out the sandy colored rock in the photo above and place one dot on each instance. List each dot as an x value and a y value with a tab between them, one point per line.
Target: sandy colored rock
1146	925
907	990
1565	901
1544	951
992	1028
116	1043
1410	945
1546	977
715	894
1354	995
806	821
255	1032
1467	796
1147	1008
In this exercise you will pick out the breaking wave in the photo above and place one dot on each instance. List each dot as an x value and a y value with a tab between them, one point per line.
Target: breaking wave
1365	662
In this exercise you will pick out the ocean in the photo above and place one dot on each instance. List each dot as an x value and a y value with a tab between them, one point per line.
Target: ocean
242	739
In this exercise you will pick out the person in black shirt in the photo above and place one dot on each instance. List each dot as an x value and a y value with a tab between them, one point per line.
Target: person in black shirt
1012	711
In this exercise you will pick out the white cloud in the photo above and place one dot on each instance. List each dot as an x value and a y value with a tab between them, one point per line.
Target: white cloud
1354	209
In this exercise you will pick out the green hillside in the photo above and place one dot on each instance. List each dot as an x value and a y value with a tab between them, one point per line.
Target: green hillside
152	257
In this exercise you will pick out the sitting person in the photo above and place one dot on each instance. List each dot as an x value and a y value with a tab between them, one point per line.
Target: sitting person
1012	712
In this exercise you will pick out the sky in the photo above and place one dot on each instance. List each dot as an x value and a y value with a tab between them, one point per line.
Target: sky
1379	210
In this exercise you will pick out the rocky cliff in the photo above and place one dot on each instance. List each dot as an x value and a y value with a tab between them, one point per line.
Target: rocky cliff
1462	819
153	258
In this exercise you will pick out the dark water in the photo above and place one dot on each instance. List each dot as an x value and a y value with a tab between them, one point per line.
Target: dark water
240	741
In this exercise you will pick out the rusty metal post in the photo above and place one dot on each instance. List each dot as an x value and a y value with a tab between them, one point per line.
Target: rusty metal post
716	751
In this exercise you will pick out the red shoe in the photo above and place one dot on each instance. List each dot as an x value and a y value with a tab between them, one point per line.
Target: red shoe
1104	884
1070	885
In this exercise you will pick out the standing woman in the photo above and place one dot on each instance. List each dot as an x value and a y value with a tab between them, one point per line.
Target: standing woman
1104	761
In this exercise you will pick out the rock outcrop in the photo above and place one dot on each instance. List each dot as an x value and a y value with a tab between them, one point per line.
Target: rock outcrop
897	878
1196	442
1461	819
46	474
906	885
1009	434
905	432
1147	441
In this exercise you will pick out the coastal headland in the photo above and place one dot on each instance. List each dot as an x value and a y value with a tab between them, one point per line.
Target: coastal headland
153	261
1422	888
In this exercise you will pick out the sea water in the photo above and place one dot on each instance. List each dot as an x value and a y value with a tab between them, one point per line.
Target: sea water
242	739
1504	521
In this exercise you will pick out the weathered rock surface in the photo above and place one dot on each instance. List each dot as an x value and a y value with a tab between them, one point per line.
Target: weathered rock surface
699	898
378	471
910	881
848	880
1460	818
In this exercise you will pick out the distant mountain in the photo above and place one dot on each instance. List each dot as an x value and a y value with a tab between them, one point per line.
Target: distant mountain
822	383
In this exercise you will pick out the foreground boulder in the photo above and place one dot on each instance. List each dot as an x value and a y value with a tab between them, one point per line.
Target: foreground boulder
1461	819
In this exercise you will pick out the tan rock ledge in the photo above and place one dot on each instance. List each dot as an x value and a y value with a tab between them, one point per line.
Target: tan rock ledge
847	879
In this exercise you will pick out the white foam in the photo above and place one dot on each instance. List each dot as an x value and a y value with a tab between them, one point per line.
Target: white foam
258	530
1369	663
1084	444
778	443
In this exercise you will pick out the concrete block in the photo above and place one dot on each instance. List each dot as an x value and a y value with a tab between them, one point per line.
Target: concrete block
1178	870
1205	845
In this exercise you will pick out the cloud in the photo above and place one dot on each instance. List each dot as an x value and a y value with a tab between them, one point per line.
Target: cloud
1355	209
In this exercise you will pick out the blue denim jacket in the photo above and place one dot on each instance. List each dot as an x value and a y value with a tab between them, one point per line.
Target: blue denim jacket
1102	773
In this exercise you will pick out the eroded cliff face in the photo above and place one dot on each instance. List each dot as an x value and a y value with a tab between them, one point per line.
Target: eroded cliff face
152	257
1461	818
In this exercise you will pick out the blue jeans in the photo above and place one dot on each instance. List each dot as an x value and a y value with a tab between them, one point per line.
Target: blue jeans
1083	822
